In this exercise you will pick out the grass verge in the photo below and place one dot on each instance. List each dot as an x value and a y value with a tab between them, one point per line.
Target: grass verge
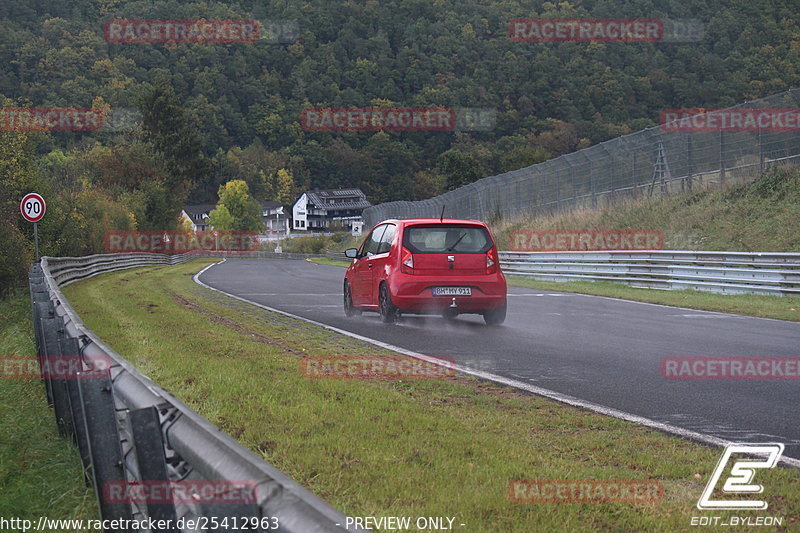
742	217
444	447
328	261
778	307
40	472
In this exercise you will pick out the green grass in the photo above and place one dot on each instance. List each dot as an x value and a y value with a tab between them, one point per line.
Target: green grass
329	261
779	307
446	447
40	472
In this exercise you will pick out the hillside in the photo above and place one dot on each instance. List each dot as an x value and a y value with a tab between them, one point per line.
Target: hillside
762	216
244	100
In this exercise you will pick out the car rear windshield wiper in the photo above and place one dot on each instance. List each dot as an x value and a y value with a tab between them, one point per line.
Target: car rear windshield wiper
457	241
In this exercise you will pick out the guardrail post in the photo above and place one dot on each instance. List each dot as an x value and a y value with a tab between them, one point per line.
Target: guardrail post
100	418
149	448
70	345
51	326
43	310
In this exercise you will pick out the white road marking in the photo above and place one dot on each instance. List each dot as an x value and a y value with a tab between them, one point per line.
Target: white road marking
311	307
539	391
709	315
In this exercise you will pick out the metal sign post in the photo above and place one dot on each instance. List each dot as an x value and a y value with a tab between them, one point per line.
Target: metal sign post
33	208
36	240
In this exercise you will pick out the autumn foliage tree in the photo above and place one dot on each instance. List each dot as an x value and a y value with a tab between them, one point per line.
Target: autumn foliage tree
244	210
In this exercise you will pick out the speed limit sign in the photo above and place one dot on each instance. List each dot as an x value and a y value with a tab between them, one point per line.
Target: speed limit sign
32	207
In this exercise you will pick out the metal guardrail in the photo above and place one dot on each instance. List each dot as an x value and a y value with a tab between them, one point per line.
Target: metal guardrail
725	272
130	430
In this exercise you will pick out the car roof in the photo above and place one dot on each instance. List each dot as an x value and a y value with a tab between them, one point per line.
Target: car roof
433	221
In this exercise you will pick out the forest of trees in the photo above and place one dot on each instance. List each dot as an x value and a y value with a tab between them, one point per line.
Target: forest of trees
213	113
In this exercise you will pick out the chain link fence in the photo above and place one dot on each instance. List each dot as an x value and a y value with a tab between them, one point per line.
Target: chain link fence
650	162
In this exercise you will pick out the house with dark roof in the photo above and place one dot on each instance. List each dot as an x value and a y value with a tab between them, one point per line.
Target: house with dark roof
329	209
276	220
197	215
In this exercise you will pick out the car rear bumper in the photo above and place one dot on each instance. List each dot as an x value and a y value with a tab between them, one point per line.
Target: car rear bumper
412	293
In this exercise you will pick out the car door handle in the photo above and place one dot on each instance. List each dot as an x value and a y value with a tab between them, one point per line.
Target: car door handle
369	265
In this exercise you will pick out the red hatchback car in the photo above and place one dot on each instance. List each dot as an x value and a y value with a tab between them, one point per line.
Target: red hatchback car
426	266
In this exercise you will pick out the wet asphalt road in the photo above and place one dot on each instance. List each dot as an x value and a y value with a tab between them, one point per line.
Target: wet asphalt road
597	349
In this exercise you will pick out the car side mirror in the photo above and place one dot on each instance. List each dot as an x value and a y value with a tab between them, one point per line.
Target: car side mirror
351	253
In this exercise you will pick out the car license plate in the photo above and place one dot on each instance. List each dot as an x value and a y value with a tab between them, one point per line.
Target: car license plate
452	291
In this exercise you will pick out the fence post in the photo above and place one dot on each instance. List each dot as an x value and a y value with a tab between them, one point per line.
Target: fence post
612	188
574	188
690	160
539	194
721	157
558	191
761	159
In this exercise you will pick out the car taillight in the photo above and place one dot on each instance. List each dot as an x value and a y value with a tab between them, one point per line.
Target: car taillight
491	261
408	261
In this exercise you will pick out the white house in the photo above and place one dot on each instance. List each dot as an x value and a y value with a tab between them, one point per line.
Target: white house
322	210
197	215
276	221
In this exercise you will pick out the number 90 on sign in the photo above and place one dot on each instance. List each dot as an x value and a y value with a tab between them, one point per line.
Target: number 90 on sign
32	207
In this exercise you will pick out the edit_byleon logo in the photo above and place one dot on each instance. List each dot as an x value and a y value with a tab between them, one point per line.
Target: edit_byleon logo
740	479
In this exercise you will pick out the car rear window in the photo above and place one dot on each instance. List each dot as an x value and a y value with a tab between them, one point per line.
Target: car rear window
440	239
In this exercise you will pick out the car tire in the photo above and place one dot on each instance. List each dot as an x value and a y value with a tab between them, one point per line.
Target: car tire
349	308
496	316
387	308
